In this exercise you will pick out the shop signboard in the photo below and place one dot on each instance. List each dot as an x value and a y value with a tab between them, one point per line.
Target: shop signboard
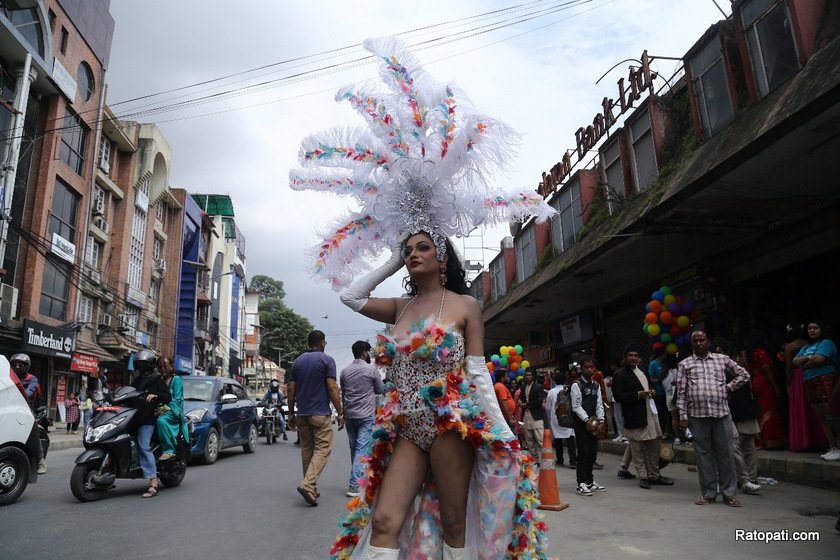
183	365
573	329
84	363
61	394
39	338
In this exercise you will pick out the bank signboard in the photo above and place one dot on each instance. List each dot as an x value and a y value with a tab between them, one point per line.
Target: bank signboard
46	340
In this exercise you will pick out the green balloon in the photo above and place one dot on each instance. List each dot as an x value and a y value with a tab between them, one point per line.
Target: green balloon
666	290
518	348
665	337
504	362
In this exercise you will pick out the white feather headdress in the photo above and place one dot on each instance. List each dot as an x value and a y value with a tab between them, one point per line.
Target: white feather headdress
422	165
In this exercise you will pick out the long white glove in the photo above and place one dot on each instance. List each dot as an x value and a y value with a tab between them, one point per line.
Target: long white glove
355	296
480	378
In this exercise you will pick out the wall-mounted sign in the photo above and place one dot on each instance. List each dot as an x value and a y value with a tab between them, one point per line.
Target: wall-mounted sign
64	80
63	248
573	329
44	339
84	363
639	80
183	364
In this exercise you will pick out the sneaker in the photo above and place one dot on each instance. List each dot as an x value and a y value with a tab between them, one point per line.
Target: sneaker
583	489
285	437
42	467
751	487
625	474
829	452
353	492
624	440
617	439
677	441
595	487
688	435
832	455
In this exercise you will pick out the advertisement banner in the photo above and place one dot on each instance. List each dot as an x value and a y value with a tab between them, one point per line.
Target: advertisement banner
84	363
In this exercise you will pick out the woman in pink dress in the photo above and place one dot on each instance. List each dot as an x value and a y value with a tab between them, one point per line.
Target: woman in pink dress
763	380
72	414
804	430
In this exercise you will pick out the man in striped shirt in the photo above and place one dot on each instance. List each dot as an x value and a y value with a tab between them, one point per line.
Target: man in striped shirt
704	383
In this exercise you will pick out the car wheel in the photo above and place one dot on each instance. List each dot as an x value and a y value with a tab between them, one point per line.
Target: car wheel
211	447
14	474
251	445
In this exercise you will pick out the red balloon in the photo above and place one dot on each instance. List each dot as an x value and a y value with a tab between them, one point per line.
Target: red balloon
675	331
658	345
512	352
655	306
666	317
651	318
680	300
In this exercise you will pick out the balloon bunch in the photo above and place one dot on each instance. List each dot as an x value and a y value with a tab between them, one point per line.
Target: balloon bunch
668	320
510	358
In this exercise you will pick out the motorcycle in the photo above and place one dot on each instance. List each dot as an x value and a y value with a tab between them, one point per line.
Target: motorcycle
272	422
112	451
43	423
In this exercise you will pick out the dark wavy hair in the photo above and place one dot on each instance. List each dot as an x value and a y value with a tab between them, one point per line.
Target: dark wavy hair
456	276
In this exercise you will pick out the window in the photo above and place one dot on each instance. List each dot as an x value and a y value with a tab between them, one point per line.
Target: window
711	87
64	208
644	153
154	290
52	17
772	50
566	224
65	37
160	213
137	247
94	250
128	320
84	80
98	201
104	154
85	309
613	173
497	278
157	249
26	21
526	253
73	140
55	290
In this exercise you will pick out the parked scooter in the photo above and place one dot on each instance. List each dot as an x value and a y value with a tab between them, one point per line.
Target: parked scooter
112	451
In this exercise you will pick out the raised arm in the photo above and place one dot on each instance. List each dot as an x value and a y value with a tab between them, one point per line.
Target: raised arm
356	296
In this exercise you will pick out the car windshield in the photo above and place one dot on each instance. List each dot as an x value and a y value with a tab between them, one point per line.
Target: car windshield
199	389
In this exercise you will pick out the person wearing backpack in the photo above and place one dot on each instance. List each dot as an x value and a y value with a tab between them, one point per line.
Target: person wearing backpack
558	410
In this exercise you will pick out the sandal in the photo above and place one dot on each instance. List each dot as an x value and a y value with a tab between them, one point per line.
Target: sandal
166	457
702	501
151	492
731	501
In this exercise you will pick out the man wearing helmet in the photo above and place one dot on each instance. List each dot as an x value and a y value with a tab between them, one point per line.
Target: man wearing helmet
32	391
152	383
275	395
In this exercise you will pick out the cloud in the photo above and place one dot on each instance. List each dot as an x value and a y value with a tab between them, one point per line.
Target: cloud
542	83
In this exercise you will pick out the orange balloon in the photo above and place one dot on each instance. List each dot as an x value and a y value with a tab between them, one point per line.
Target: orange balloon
666	317
651	318
655	306
490	367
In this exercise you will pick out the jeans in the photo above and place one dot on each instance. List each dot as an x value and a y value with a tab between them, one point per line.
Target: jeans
358	432
147	458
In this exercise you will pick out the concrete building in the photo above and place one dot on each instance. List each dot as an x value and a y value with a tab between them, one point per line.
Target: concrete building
719	182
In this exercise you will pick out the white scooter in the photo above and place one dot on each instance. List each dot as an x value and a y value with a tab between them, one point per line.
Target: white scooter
20	446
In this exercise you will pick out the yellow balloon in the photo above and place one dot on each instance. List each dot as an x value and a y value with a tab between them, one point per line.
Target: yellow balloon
653	330
669	299
503	350
525	364
671	348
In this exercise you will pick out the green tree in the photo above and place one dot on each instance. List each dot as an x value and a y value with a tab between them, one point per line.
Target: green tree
268	287
282	328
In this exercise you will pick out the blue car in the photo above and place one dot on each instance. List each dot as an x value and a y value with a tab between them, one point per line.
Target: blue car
222	416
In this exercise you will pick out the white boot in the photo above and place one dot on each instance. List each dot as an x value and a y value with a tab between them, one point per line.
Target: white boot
450	553
378	553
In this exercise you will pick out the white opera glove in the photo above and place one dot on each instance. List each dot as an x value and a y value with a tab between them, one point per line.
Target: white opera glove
480	378
355	296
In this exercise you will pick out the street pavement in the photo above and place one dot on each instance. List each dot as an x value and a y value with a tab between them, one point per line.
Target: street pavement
246	506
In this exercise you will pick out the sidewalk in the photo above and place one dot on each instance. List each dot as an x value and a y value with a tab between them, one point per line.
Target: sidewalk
806	469
60	439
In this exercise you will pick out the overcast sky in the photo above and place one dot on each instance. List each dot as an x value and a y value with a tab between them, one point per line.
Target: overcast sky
537	75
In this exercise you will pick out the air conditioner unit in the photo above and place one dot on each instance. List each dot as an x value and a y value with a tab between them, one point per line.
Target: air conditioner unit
160	265
100	222
8	301
99	207
106	320
94	276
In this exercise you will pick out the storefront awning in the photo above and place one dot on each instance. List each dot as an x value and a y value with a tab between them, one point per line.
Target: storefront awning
93	349
117	343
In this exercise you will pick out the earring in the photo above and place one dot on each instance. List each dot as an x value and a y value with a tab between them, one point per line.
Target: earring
443	275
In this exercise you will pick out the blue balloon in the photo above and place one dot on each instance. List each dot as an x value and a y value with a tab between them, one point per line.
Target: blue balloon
657	295
675	309
647	308
687	308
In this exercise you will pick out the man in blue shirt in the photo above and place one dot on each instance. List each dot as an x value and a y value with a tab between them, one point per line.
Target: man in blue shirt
312	386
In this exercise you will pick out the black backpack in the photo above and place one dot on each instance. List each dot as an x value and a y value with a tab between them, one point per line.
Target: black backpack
563	409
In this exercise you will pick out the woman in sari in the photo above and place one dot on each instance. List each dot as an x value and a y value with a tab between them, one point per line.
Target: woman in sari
171	420
764	389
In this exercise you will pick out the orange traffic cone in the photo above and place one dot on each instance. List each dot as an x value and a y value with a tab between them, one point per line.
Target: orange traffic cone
549	495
